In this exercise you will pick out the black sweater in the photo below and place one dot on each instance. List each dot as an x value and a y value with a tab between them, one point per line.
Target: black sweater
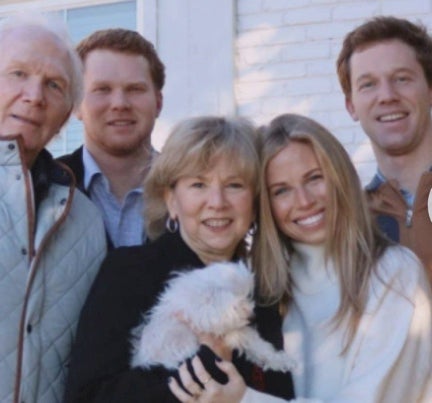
129	281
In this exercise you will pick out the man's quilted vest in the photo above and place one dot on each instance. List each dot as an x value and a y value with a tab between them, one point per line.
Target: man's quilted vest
47	266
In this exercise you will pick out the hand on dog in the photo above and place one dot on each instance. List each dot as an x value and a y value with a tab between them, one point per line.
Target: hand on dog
217	345
213	392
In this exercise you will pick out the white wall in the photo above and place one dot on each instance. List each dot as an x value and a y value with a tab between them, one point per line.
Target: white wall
195	40
256	58
285	58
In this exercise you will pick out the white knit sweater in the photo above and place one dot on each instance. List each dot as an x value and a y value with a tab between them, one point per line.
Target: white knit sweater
390	358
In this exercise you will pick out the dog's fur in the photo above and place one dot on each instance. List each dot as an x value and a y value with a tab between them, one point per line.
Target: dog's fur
216	299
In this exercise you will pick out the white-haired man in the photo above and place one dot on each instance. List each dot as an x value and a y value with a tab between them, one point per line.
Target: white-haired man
52	238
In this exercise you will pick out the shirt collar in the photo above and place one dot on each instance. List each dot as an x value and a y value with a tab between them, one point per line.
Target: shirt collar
408	196
91	168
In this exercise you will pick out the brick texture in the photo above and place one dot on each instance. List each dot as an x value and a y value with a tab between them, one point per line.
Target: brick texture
285	61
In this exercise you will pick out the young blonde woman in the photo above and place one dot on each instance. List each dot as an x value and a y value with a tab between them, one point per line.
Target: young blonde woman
357	310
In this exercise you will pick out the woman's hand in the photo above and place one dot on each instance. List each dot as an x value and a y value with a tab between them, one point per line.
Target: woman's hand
216	344
213	392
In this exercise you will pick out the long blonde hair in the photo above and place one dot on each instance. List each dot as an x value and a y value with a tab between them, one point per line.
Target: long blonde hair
353	241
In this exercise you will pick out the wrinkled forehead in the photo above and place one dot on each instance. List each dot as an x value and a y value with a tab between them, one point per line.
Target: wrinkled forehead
33	42
392	50
30	33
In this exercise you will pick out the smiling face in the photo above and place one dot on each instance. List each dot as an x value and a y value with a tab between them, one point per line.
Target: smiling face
298	193
121	102
35	71
390	97
214	210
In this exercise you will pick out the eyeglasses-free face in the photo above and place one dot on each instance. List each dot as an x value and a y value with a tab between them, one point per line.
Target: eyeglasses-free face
298	193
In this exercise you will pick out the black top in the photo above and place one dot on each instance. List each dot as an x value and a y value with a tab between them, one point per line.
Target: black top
75	162
129	281
46	171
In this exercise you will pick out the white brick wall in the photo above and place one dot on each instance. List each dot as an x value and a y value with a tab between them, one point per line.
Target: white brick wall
283	52
285	61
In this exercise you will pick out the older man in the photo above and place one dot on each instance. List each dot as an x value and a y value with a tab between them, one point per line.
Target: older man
51	236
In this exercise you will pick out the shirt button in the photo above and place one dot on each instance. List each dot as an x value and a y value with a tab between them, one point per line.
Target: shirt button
63	202
11	146
24	251
29	328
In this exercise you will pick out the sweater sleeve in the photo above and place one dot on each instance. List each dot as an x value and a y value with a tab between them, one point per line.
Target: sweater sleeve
390	359
99	368
253	396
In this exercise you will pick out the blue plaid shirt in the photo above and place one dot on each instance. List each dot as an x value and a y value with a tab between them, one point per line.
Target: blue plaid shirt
409	197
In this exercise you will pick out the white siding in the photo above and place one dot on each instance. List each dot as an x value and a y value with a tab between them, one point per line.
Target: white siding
195	41
257	58
81	22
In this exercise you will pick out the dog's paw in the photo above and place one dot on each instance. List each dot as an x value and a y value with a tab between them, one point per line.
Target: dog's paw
280	362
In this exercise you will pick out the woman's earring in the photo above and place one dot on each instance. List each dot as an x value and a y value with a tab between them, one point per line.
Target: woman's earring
253	229
171	225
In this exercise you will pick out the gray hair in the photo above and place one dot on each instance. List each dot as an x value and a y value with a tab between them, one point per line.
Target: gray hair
56	27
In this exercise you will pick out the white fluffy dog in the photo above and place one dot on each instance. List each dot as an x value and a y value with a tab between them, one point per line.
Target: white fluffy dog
216	299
